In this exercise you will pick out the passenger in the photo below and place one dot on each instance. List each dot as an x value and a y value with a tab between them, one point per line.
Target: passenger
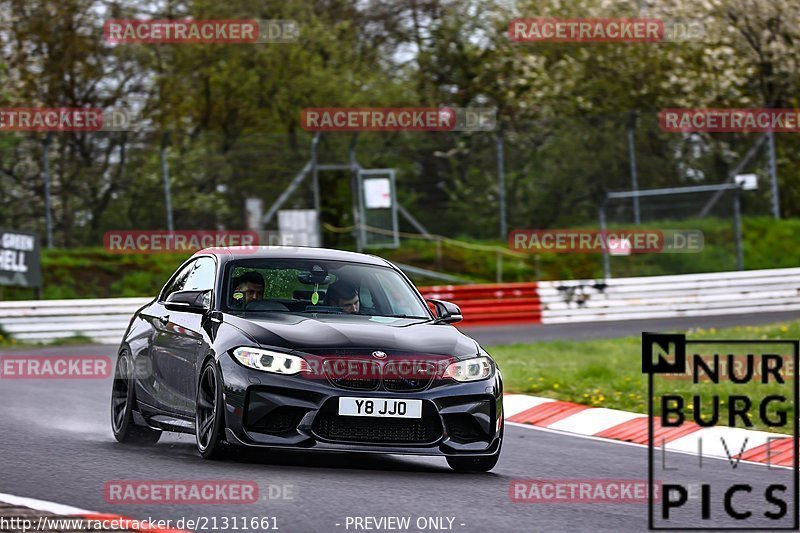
344	294
251	284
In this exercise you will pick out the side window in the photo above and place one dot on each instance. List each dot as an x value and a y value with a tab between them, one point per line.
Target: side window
201	275
179	281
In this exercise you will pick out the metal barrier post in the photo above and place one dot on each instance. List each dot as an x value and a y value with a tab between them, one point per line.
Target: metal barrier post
501	184
165	175
737	222
48	217
606	258
637	219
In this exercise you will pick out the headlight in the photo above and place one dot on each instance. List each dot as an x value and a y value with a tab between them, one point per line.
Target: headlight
470	369
269	361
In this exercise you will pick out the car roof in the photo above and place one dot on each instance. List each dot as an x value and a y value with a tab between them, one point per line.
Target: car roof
228	253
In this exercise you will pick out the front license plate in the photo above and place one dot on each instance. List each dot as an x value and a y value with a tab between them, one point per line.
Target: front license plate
382	407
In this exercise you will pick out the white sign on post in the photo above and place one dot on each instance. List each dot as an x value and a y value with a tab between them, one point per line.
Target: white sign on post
748	182
377	193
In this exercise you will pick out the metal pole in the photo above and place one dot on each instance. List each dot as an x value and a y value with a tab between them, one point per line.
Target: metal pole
165	174
287	192
606	258
732	174
315	176
673	190
632	158
48	218
501	183
499	267
737	221
315	186
357	199
773	174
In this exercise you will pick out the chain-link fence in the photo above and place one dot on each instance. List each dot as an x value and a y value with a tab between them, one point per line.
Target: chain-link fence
555	173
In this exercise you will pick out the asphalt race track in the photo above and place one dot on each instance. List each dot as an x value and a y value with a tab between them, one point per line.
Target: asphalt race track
57	445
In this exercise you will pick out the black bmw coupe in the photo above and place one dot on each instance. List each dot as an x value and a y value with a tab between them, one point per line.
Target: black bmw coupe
306	348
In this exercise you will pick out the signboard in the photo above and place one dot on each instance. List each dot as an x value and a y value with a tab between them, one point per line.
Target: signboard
378	208
20	259
377	193
748	182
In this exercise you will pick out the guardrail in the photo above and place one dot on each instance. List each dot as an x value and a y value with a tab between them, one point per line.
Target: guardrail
496	303
549	302
719	293
103	320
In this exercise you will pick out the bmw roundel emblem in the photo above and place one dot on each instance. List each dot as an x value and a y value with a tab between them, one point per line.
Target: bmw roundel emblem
379	354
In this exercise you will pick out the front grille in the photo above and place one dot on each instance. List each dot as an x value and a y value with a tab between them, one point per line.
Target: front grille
355	383
406	384
353	374
369	429
417	379
364	374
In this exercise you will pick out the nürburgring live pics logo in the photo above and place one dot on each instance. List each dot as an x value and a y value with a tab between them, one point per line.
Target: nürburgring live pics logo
706	419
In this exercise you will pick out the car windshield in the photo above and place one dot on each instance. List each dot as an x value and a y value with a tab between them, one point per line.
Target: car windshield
316	286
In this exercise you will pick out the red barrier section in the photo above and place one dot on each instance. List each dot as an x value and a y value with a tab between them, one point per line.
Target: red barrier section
547	413
636	431
776	452
493	303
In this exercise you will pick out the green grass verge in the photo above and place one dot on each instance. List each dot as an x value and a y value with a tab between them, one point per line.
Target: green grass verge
607	373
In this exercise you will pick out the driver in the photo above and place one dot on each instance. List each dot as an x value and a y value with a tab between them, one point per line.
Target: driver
251	284
344	294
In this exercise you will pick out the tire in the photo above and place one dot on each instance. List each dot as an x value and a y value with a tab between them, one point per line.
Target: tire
210	415
123	401
476	463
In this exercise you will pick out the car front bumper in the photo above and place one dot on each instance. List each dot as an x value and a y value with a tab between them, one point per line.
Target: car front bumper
293	412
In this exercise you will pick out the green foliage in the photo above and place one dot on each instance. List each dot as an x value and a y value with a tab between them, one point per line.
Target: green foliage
6	338
228	114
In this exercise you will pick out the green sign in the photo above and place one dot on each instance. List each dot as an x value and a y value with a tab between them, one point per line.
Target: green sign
20	259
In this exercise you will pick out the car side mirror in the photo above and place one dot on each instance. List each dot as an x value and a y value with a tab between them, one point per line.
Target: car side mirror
446	311
189	301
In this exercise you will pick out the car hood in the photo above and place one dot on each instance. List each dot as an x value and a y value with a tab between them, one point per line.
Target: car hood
337	332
